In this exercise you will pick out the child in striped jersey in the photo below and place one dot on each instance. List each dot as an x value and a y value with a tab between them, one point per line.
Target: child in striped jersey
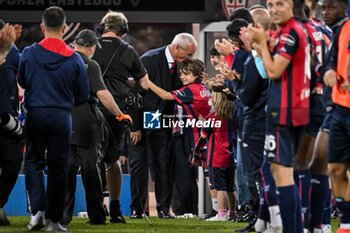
193	96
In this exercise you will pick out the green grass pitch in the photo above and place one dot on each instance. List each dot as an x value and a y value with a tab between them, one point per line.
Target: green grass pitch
79	225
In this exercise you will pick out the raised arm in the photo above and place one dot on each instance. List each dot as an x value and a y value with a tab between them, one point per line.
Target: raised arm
163	94
274	65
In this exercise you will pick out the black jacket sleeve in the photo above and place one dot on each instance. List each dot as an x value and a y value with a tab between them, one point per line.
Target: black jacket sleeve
250	89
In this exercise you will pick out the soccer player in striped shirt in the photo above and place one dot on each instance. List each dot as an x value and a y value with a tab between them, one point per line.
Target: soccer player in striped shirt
287	105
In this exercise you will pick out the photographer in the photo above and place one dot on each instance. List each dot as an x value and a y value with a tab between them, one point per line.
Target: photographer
87	135
10	129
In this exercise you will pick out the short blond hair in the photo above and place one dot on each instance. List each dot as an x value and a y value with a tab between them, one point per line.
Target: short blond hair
114	22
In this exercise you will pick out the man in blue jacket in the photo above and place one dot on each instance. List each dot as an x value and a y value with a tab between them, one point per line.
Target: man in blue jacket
54	79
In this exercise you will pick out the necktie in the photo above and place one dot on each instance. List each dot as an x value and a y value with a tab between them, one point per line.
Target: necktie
172	68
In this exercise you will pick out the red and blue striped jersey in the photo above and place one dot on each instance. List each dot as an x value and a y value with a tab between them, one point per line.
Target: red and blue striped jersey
219	153
318	48
288	99
194	98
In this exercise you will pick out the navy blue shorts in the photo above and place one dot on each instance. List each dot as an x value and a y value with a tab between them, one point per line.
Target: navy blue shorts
281	143
314	126
222	179
339	136
326	125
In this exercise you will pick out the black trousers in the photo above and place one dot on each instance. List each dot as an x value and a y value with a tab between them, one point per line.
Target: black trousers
155	143
252	161
10	165
185	194
87	159
138	162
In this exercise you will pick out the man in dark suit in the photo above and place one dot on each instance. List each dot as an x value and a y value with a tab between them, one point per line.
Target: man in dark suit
161	66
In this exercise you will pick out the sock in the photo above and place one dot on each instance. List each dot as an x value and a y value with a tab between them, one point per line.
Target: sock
327	213
318	197
222	212
275	216
114	208
214	203
269	185
288	199
344	212
296	178
115	202
299	221
304	190
263	209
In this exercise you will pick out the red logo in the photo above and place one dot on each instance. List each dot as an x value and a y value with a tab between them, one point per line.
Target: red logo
230	5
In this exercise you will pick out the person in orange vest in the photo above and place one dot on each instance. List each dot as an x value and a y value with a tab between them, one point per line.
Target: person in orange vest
339	144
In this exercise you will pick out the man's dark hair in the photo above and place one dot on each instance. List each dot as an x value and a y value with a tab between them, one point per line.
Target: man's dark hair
54	18
241	13
299	11
301	2
343	1
213	51
233	29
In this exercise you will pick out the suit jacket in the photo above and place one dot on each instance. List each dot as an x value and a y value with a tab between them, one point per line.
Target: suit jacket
158	70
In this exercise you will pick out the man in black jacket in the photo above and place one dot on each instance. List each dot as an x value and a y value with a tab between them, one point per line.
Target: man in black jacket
161	67
87	135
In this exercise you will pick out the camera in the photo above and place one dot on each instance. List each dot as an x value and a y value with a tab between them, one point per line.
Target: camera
11	124
134	100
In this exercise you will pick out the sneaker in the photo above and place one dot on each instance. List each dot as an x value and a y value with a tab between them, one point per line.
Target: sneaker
245	214
274	229
260	225
3	218
217	218
165	214
115	213
248	228
231	217
248	217
36	221
136	215
56	227
327	228
213	213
